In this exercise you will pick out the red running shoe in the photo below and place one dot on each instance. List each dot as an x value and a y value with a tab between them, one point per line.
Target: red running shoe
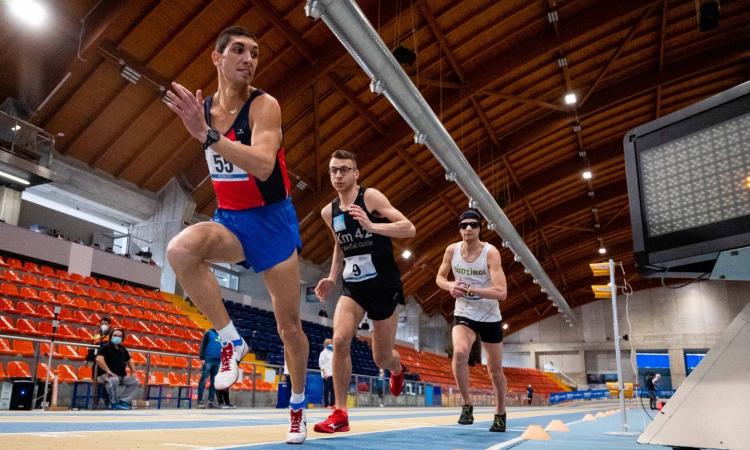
397	383
337	422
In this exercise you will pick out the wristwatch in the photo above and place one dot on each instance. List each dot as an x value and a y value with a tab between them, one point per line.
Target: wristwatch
211	136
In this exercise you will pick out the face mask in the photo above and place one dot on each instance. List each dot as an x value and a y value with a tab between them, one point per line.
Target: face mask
116	339
329	346
104	328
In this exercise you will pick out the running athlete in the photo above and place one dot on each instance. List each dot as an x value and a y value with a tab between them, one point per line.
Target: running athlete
478	286
363	222
255	224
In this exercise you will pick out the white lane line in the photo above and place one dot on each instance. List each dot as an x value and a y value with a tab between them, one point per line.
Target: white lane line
199	447
507	444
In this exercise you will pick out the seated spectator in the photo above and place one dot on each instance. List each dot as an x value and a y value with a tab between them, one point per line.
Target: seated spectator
113	359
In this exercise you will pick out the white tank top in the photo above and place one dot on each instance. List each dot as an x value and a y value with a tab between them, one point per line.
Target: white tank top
475	274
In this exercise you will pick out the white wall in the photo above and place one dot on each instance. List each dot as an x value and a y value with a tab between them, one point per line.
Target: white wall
692	317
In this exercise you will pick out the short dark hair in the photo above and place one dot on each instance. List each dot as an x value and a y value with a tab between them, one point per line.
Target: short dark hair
228	33
343	154
112	332
470	214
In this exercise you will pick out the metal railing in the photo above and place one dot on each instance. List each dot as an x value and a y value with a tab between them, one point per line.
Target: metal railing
25	140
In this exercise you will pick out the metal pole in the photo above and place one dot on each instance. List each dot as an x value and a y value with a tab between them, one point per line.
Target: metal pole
615	325
55	324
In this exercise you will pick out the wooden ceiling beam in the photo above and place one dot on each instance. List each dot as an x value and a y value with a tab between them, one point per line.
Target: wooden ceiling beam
613	57
281	24
525	100
587	20
442	41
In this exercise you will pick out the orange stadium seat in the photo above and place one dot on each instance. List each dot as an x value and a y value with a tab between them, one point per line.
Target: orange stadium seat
23	348
65	287
81	290
5	348
18	369
138	358
69	352
84	334
10	275
15	263
29	266
66	373
26	309
47	297
47	271
75	277
31	280
28	293
7	306
64	299
6	325
41	371
25	326
45	311
84	373
91	281
2	262
62	274
9	290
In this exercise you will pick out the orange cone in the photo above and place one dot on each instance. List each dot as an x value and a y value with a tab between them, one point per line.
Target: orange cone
535	433
557	425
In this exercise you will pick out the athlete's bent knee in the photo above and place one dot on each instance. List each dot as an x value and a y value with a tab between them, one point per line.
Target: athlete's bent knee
461	356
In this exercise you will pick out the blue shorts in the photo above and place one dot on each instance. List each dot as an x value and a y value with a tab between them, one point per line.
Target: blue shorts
268	234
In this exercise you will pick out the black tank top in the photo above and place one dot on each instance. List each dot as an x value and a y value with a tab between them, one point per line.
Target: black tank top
368	257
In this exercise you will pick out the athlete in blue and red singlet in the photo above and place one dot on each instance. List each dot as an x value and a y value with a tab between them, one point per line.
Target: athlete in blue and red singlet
255	224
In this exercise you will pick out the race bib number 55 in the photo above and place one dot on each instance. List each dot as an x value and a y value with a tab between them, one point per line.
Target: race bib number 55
222	169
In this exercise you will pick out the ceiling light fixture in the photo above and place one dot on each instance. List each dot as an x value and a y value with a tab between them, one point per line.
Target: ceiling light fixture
570	98
30	11
406	254
14	178
587	175
602	250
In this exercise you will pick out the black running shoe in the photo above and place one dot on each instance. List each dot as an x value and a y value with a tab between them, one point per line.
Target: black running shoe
467	416
499	423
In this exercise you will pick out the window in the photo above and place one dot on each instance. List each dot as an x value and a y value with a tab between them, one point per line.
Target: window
226	277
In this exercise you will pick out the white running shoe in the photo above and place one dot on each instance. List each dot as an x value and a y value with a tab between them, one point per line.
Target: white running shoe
229	371
297	427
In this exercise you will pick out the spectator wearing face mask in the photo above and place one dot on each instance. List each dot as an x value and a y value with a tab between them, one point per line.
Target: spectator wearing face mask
113	359
325	362
100	337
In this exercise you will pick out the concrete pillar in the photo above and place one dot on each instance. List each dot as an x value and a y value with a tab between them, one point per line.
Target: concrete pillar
175	207
10	205
677	366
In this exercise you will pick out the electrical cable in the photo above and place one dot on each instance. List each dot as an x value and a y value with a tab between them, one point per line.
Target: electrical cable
627	290
83	26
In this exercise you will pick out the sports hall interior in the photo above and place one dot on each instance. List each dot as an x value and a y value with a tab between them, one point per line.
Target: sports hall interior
539	99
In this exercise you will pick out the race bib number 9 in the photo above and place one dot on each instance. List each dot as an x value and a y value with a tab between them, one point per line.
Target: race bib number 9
222	169
359	268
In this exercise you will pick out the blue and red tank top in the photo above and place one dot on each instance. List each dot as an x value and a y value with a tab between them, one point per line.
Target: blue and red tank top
236	189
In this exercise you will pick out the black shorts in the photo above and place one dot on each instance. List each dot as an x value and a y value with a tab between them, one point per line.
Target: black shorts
379	303
489	332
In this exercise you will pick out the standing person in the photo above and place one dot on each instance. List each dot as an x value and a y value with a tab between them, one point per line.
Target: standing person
325	362
530	394
113	359
651	386
363	222
210	356
222	397
100	337
255	224
478	286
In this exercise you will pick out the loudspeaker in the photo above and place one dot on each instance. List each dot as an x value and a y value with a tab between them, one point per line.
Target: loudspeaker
708	15
404	55
22	395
